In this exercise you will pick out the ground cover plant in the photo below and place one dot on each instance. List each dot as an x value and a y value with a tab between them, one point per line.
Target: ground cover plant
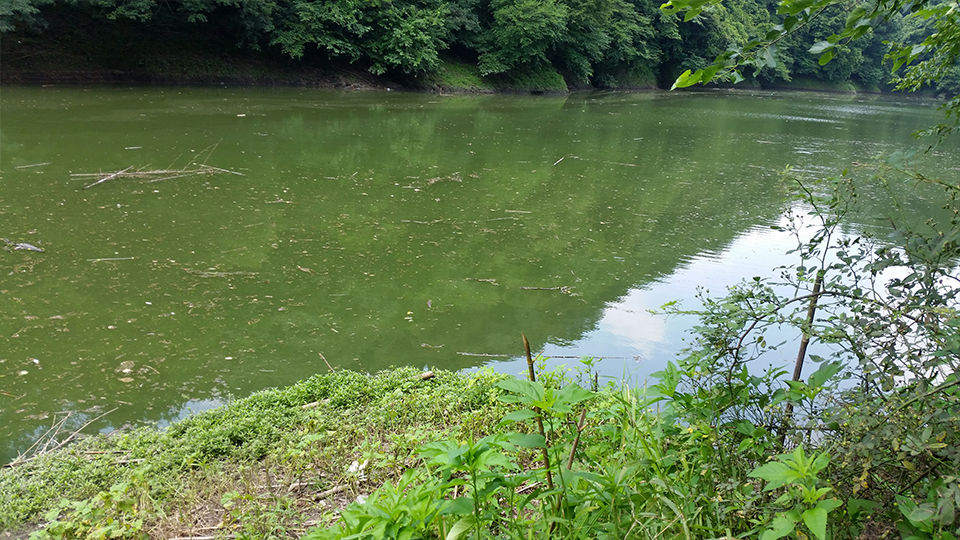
263	466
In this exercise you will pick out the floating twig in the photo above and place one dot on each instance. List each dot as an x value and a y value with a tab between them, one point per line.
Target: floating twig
112	259
564	290
212	274
325	362
105	178
34	165
218	169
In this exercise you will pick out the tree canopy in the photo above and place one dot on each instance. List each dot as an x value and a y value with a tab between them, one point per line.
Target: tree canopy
919	38
605	43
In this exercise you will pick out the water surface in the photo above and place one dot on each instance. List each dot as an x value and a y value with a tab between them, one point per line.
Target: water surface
378	229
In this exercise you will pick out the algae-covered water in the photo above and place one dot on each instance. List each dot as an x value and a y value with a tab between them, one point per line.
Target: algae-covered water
376	229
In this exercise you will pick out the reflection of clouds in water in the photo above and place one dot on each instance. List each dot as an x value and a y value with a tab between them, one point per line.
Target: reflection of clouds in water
631	324
628	329
189	408
755	253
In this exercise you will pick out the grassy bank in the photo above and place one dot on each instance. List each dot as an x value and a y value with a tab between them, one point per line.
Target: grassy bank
408	455
269	465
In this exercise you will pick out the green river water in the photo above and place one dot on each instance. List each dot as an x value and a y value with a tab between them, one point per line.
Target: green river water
377	229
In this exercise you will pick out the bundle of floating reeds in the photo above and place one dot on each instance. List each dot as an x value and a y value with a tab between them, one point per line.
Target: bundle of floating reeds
155	175
158	175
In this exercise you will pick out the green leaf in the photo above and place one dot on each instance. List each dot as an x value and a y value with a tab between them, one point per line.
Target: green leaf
825	373
706	74
768	56
692	14
856	18
829	505
779	527
816	520
858	507
826	57
776	474
820	46
793	7
921	513
687	79
525	389
820	461
517	416
525	440
462	527
572	393
458	507
945	511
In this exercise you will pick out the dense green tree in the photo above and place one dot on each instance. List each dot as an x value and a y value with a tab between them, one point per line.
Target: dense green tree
521	34
923	45
407	36
334	27
599	30
23	11
590	42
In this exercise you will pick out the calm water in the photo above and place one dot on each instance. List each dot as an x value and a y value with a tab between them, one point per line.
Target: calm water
378	229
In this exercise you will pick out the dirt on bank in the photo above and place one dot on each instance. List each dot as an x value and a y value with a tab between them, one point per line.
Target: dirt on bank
39	59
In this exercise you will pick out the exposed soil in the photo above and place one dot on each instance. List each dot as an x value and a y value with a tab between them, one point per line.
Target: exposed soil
74	50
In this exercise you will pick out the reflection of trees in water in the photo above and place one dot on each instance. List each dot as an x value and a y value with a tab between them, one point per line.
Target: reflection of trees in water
366	234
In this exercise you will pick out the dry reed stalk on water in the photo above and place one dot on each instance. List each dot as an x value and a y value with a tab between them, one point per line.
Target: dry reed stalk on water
157	175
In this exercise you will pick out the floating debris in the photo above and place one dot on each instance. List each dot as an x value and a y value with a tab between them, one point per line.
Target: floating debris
157	175
34	165
564	290
21	245
213	274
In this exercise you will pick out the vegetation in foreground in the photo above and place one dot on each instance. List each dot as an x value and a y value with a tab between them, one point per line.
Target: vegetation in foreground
268	465
865	446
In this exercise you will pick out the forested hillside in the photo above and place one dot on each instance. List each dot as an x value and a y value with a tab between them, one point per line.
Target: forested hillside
549	44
